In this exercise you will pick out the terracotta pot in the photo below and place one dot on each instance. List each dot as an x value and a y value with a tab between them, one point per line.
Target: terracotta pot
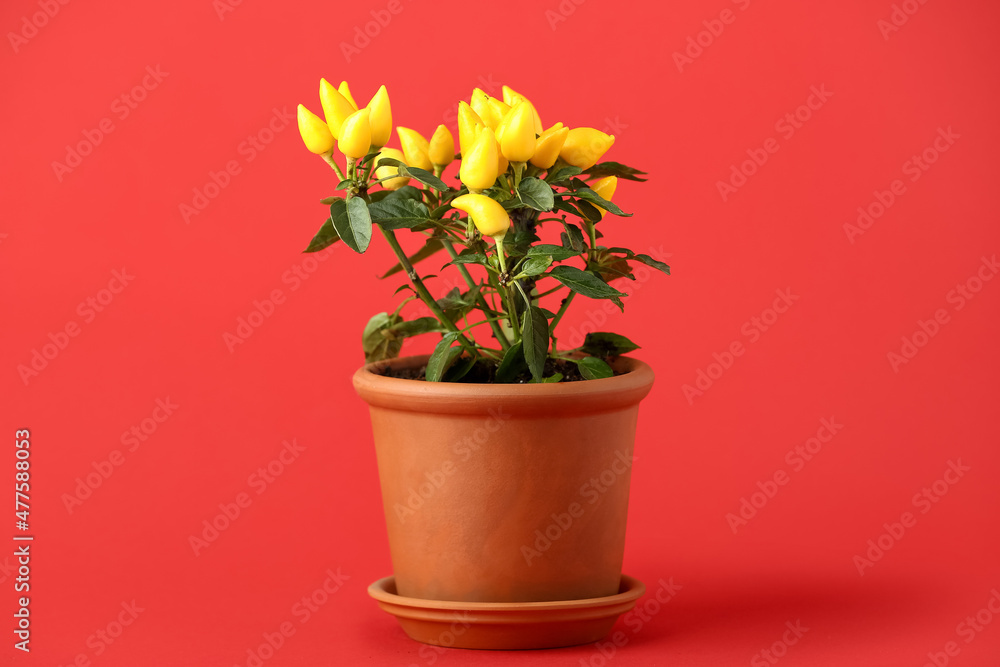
505	492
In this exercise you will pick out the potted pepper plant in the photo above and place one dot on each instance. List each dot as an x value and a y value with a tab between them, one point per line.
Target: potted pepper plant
504	456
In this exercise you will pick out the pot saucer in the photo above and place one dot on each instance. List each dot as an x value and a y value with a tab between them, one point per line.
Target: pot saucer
507	625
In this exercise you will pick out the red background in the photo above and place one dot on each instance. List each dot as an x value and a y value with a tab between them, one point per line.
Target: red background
63	234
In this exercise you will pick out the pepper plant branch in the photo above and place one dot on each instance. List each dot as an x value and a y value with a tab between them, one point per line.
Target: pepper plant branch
480	300
559	316
328	156
421	289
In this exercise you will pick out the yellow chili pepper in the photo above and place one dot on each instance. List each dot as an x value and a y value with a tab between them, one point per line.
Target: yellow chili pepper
415	148
355	135
490	110
487	214
606	189
468	122
346	92
315	133
381	117
480	165
512	97
517	143
584	146
441	150
502	162
499	108
549	145
388	170
336	107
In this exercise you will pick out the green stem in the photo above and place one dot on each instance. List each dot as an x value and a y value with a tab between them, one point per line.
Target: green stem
550	291
421	289
592	233
328	156
527	299
558	317
506	309
480	300
518	170
508	296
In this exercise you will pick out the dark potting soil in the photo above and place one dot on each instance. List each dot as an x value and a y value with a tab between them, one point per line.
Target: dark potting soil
483	373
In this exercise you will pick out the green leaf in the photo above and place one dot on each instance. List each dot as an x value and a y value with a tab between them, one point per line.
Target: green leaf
375	344
443	356
586	284
615	169
428	249
513	204
468	256
384	161
656	264
535	340
344	184
556	252
326	236
512	364
573	237
326	201
519	242
557	377
368	158
352	223
536	193
453	299
563	205
424	176
589	211
398	213
456	304
405	192
535	265
460	370
563	174
594	198
604	344
592	368
421	325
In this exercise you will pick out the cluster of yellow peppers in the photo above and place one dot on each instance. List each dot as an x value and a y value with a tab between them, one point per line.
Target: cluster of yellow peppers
494	136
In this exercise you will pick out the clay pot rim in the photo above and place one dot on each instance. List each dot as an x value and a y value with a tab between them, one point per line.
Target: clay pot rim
584	397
